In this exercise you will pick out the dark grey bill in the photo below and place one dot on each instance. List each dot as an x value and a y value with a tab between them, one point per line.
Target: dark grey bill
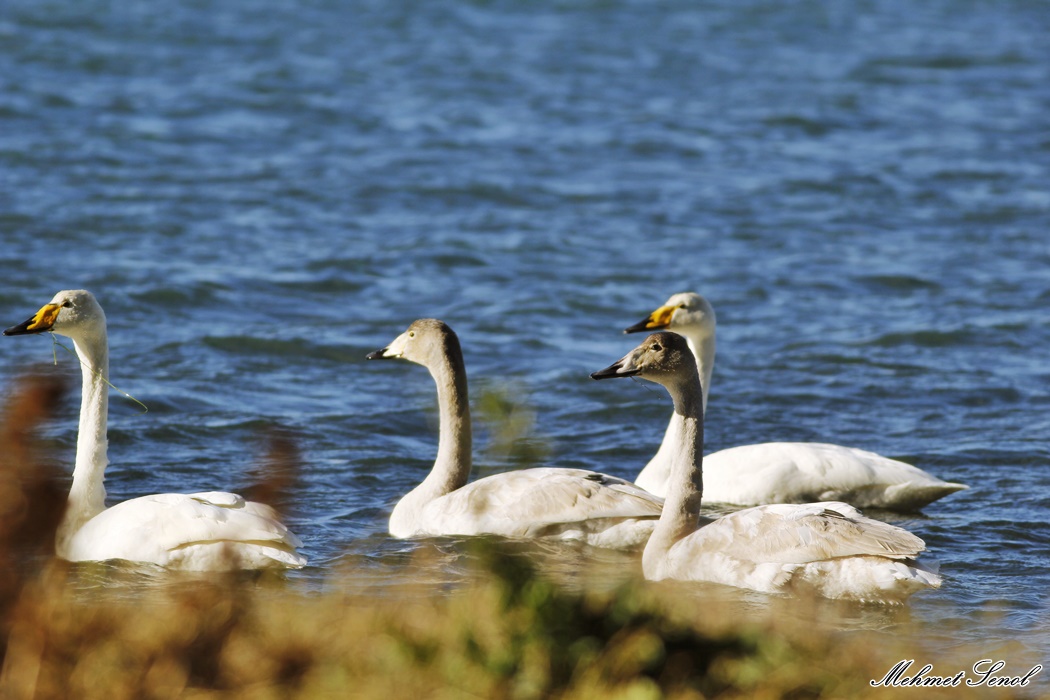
613	371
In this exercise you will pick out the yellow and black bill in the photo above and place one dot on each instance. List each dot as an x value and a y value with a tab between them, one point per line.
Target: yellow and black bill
41	322
657	320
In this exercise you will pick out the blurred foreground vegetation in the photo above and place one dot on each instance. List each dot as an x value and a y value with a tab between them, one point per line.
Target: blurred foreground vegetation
508	631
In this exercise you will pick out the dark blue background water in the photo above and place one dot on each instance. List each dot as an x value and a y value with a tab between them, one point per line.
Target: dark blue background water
260	193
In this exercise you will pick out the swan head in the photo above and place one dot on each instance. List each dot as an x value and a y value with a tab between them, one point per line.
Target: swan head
72	312
663	357
686	311
426	342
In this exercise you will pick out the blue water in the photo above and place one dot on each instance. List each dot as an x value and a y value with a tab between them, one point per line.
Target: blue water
262	192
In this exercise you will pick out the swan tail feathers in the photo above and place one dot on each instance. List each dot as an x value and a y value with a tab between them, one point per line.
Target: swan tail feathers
915	496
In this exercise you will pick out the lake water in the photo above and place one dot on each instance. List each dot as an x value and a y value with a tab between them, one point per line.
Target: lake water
260	193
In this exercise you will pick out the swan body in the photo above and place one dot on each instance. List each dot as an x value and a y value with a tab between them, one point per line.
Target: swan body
569	504
196	532
792	472
826	548
780	472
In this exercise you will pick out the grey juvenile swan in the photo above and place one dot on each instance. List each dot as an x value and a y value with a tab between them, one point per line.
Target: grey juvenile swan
827	548
571	504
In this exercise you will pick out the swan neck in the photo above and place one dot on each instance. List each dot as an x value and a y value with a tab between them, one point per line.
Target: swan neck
656	474
685	485
87	496
703	346
452	466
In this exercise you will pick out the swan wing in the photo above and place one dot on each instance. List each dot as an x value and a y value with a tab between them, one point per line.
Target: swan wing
203	531
797	534
541	501
799	472
825	548
219	499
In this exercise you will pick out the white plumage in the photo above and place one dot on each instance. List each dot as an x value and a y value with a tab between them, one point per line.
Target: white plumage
826	548
573	504
781	472
196	532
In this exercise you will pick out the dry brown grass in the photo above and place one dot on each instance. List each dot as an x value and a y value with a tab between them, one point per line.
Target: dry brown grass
507	632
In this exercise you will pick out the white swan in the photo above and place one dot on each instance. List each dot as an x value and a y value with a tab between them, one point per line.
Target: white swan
826	548
572	504
195	532
780	472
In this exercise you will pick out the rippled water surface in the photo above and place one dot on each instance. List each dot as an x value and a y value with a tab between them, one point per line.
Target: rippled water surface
261	192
